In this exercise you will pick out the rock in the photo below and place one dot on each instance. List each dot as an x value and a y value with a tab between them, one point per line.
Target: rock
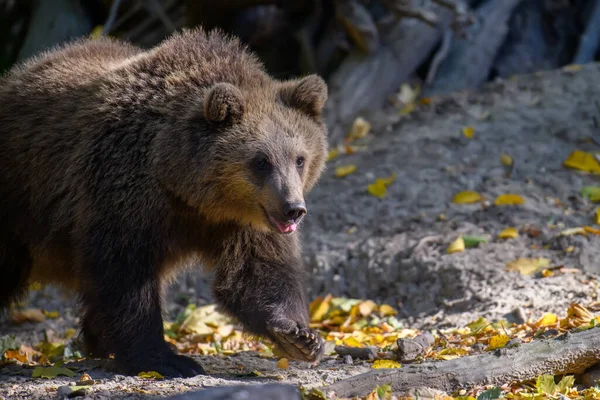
243	392
348	359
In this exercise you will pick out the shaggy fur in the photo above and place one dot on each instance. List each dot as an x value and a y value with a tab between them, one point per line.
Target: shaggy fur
119	166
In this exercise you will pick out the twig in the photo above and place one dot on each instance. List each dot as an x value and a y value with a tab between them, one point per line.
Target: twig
440	56
112	16
590	40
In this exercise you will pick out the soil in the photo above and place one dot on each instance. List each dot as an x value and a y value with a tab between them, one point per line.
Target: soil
393	249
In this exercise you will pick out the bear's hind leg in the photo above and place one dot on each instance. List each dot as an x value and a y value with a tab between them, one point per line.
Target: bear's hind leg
121	297
15	267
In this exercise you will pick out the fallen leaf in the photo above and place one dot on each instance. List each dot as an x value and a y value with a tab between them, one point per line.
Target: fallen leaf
508	233
352	342
16	355
85	377
51	372
150	375
506	160
468	131
574	231
408	108
50	314
478	325
490	394
283	363
527	266
473	241
97	32
591	230
367	307
360	128
387	310
547	320
572	68
386	364
28	315
313	394
508	199
379	188
319	308
407	94
597	211
344	170
332	154
582	161
497	342
467	197
591	193
457	246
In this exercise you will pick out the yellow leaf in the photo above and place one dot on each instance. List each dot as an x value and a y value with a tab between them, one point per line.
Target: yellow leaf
506	160
508	233
547	320
457	246
386	364
97	32
379	188
70	332
332	154
597	211
352	342
320	309
51	372
508	199
283	363
50	314
582	161
28	315
387	310
497	342
572	68
150	375
85	377
546	273
225	330
15	355
366	307
360	128
574	231
591	230
466	197
344	170
408	108
468	131
527	266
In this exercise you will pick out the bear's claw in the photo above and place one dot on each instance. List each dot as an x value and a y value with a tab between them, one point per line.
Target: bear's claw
301	344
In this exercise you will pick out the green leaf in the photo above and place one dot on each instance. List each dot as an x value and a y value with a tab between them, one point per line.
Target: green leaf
545	384
566	383
384	392
491	394
312	394
478	325
591	192
150	375
473	241
51	372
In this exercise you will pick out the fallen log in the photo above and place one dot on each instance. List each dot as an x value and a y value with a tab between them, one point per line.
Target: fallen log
566	354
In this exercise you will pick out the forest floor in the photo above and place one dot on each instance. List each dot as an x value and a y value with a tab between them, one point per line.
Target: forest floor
394	249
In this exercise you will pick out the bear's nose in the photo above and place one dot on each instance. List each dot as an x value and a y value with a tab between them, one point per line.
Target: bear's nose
294	210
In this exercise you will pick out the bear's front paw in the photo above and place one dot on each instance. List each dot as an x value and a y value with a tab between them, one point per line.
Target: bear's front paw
168	364
301	344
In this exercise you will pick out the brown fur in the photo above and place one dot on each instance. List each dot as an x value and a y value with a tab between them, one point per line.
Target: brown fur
120	166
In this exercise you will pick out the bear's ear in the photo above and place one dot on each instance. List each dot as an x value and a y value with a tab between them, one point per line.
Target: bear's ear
308	95
224	101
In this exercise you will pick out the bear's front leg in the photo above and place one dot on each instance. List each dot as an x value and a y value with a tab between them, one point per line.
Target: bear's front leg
121	290
263	287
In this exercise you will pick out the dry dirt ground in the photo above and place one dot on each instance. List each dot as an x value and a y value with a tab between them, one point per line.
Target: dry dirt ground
394	249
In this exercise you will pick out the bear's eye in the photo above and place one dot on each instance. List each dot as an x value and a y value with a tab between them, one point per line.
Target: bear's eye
263	164
300	162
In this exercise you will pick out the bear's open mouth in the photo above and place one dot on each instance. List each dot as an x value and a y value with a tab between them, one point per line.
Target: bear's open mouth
285	228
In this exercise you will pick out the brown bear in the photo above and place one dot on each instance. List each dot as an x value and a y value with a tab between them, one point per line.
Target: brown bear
119	167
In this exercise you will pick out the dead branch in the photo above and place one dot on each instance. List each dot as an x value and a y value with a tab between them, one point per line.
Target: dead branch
566	354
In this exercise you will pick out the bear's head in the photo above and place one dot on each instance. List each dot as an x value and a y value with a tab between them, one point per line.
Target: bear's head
250	154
